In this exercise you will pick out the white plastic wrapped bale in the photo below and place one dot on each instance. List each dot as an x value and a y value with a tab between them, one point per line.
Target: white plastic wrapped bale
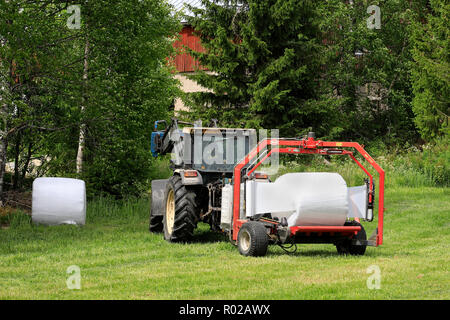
305	199
357	201
59	201
227	206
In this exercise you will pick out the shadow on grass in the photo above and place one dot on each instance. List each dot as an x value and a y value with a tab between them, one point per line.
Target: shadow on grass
202	237
207	236
331	252
302	253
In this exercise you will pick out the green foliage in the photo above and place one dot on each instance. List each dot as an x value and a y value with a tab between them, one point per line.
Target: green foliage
292	65
430	70
266	58
129	87
433	162
10	217
367	69
38	87
161	168
114	91
129	209
295	65
411	167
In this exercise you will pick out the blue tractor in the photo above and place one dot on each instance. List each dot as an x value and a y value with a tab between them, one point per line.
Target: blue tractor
203	159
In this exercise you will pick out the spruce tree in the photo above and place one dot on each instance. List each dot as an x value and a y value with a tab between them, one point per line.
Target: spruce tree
431	70
264	65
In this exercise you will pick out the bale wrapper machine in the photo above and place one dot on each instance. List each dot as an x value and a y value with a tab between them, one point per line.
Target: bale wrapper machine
254	212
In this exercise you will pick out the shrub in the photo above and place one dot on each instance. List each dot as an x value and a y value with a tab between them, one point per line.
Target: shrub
427	166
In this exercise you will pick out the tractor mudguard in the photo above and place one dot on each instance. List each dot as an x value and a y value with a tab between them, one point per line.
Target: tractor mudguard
158	194
190	181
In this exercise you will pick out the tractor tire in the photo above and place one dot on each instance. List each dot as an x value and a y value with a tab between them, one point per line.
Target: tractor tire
156	224
346	247
253	239
180	211
157	206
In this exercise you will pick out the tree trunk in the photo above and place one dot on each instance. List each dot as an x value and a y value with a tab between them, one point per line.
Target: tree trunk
82	136
27	163
3	148
16	161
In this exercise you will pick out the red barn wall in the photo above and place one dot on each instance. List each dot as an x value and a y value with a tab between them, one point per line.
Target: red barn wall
183	61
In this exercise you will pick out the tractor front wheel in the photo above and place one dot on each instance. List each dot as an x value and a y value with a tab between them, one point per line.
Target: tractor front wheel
156	224
180	216
253	239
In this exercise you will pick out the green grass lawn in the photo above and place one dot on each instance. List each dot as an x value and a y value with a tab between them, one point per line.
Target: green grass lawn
120	259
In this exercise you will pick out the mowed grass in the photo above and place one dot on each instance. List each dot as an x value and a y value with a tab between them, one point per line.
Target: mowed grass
120	259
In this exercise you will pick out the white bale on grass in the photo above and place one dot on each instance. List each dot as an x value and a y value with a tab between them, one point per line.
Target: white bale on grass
59	201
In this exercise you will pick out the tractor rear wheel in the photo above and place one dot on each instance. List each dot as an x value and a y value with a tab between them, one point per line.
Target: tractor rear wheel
180	214
346	246
253	239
